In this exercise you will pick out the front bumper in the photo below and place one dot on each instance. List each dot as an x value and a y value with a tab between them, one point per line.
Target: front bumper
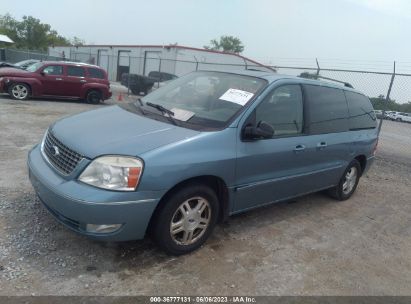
2	87
75	204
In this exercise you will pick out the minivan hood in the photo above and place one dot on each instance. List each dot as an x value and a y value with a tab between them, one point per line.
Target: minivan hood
113	130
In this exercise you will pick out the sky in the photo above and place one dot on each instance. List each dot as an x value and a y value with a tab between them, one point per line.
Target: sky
373	31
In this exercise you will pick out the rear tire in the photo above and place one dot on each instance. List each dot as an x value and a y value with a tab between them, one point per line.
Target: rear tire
19	91
93	97
186	220
348	182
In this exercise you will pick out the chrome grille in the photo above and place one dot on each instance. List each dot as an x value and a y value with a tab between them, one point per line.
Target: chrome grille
60	156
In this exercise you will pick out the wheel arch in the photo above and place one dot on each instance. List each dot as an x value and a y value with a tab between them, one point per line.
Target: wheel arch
214	182
362	159
33	83
92	87
18	81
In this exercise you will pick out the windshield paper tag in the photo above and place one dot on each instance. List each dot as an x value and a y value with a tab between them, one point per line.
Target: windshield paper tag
181	114
237	96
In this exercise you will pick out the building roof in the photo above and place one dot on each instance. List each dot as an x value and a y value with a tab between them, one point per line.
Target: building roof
4	38
179	47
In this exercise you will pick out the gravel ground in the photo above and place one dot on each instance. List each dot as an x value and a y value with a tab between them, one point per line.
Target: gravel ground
311	246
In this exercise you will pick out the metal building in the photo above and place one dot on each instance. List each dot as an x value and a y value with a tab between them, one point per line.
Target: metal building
142	59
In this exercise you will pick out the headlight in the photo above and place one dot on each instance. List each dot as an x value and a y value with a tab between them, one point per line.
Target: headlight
113	172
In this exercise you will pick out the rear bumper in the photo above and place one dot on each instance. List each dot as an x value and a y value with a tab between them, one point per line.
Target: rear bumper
108	95
75	204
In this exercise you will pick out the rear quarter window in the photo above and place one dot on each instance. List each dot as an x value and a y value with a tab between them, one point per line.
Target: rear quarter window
326	110
96	73
361	112
75	71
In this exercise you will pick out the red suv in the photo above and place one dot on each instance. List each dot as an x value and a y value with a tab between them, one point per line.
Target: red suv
71	80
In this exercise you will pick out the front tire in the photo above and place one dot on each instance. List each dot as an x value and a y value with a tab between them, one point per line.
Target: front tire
19	91
348	182
186	219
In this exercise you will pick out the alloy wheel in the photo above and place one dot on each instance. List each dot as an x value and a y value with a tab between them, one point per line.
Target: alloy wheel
190	221
19	91
350	180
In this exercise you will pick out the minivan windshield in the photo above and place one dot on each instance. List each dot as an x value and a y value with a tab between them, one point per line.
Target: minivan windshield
204	99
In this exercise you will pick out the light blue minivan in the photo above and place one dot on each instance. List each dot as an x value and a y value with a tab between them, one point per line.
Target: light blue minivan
206	146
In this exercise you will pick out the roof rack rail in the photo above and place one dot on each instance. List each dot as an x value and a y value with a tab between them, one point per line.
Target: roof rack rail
346	84
254	69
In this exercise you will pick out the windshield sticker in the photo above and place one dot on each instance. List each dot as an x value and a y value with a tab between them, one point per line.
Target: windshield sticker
237	96
181	114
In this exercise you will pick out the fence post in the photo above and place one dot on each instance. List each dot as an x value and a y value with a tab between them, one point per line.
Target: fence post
245	63
196	62
128	76
159	70
387	98
318	67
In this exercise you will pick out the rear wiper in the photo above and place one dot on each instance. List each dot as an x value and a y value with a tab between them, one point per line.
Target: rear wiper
163	110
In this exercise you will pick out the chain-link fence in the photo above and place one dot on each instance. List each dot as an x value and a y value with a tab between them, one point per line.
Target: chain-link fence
374	83
13	56
375	80
387	84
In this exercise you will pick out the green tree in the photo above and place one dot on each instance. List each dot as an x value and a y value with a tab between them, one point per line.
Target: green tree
76	41
31	33
228	44
380	103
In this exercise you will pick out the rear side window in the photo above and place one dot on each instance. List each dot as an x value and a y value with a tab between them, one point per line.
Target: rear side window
362	115
326	110
96	73
75	71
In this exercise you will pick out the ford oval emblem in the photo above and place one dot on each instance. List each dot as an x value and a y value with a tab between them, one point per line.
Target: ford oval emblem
55	150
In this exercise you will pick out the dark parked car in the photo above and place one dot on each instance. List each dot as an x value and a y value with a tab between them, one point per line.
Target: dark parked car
137	83
56	79
206	146
6	65
25	63
161	76
20	65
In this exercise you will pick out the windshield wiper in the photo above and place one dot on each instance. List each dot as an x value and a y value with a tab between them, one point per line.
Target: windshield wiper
160	108
163	110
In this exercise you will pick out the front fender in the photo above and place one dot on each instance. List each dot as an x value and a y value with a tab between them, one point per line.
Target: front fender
34	84
209	153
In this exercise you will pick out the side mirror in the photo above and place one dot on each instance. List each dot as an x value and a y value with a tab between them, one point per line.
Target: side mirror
42	73
262	130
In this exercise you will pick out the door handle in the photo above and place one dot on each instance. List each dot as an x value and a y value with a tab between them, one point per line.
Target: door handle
299	148
83	80
59	78
321	145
